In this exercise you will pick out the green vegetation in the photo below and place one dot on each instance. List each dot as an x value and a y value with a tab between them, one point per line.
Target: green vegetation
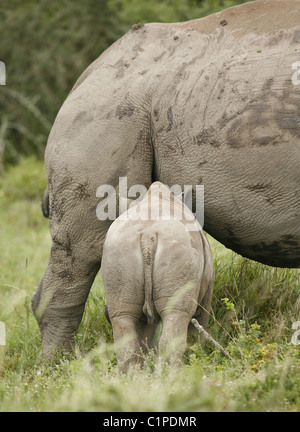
252	313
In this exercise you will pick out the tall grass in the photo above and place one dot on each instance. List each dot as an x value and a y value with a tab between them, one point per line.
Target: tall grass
252	313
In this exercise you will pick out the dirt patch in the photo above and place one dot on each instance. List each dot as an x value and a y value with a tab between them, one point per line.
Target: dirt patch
137	26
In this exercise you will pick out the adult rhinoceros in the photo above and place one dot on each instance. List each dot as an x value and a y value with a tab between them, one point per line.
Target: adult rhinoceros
214	101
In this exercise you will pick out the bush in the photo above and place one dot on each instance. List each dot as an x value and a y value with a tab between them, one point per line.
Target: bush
25	181
46	45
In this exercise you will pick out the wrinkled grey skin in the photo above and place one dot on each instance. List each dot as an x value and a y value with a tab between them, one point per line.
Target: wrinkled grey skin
155	269
190	103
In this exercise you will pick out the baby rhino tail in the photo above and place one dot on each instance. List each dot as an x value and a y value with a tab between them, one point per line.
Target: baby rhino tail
148	244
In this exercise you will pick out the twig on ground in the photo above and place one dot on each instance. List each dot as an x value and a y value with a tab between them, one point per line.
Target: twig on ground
210	338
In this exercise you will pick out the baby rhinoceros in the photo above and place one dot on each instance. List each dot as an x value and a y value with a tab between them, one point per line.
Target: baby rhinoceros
156	267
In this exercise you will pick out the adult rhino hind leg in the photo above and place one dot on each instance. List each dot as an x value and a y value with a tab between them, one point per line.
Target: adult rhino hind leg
57	316
75	258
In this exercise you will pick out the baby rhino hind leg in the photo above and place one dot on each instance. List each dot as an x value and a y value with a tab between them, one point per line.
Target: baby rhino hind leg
173	339
126	342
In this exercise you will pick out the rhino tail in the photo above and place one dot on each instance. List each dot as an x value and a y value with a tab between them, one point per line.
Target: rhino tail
45	203
148	247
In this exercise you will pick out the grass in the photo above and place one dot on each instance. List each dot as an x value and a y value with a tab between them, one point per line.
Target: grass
253	309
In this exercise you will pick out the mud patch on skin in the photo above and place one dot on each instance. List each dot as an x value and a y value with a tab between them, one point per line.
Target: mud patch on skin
82	191
267	140
251	124
61	246
289	120
170	119
268	85
266	191
259	187
156	114
83	117
156	59
200	138
56	209
256	115
296	37
136	146
137	48
65	274
284	252
276	39
120	74
206	137
137	26
200	164
124	111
